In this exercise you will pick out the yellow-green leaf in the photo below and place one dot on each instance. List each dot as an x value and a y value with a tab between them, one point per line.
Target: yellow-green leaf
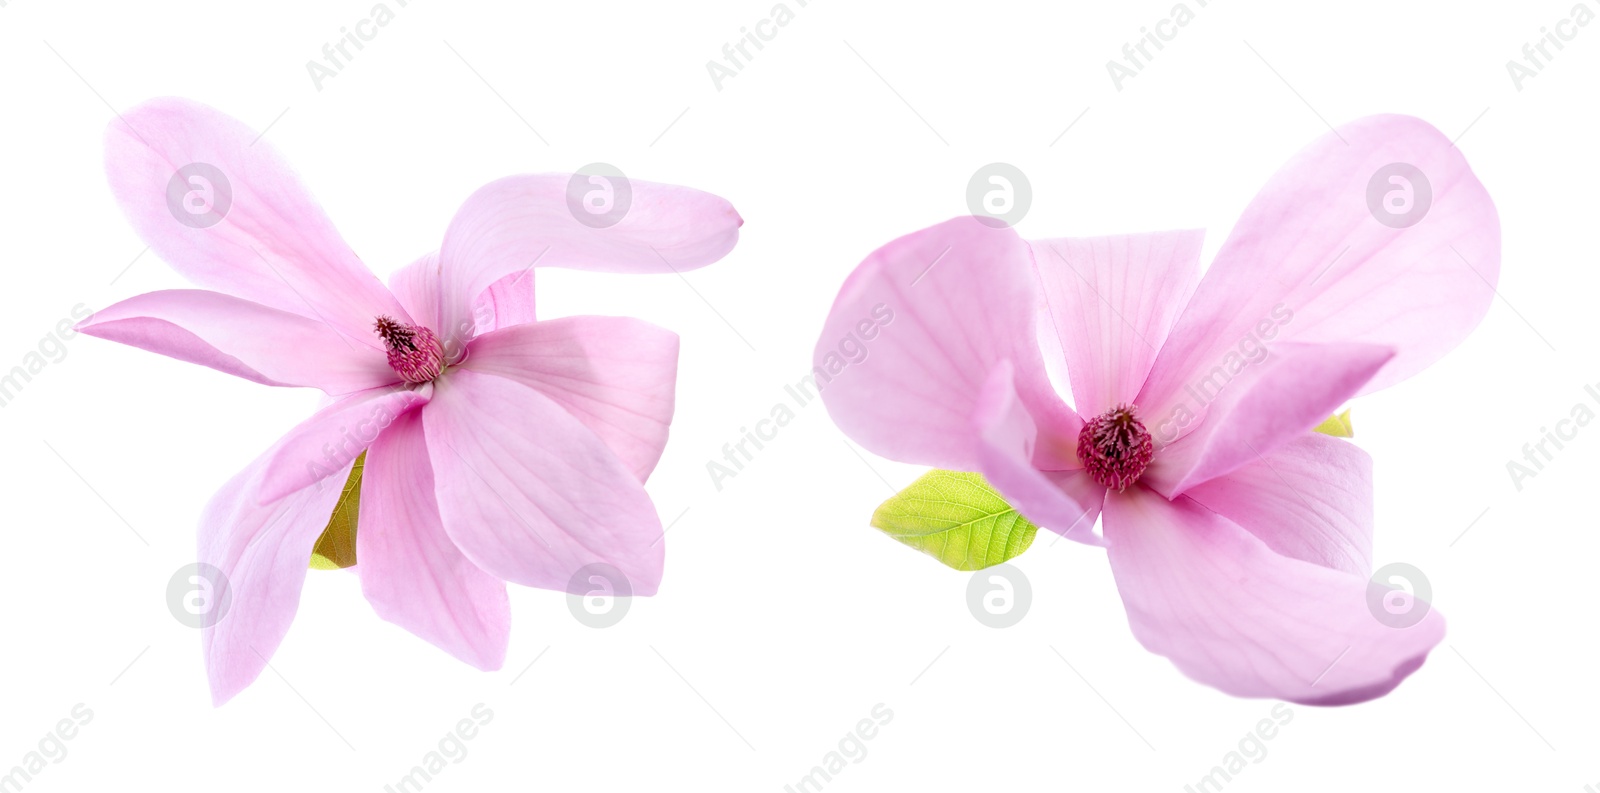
1338	426
957	518
336	547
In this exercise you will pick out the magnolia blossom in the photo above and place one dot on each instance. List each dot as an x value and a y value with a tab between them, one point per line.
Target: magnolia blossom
498	448
1240	540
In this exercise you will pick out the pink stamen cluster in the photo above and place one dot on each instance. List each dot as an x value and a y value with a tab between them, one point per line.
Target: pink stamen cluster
414	351
1115	447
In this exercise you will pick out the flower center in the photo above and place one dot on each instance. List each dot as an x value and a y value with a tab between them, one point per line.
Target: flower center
1115	447
414	352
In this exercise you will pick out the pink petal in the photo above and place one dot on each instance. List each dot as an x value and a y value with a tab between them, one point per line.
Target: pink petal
411	572
508	301
1310	247
1007	437
914	334
263	552
1262	407
273	245
334	436
1113	300
1309	500
261	344
1231	613
509	225
528	493
616	375
416	286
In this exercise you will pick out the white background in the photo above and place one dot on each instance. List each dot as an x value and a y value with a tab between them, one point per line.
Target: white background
783	618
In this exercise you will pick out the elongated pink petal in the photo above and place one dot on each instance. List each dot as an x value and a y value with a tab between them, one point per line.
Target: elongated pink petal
1310	261
508	301
1113	300
1005	457
528	493
1309	500
223	208
411	572
246	339
334	436
914	334
416	286
1230	613
1262	407
511	224
615	374
263	552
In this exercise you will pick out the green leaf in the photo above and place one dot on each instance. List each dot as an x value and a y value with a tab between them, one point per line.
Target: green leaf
336	547
1338	426
957	518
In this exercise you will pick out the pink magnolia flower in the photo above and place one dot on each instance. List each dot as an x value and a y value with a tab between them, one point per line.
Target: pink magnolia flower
499	448
1240	540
